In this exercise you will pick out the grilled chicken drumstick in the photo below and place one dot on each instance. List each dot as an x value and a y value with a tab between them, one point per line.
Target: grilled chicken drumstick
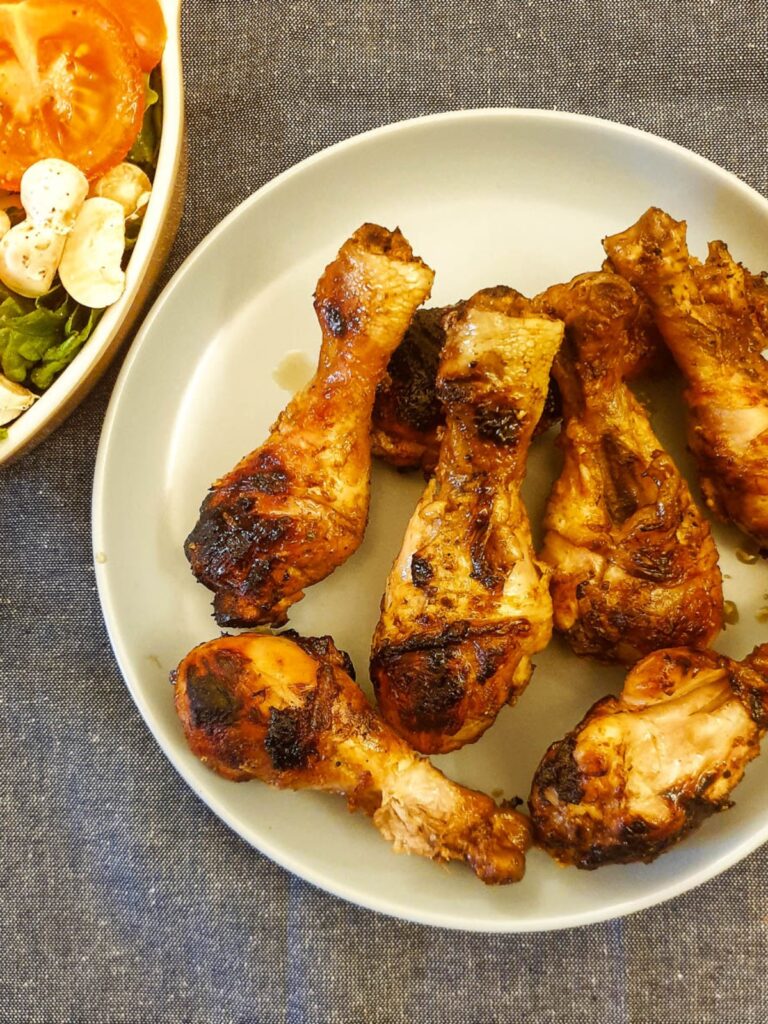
284	710
634	565
645	768
466	602
293	510
712	318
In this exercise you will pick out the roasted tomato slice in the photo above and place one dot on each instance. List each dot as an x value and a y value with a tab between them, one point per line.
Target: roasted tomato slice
144	20
71	86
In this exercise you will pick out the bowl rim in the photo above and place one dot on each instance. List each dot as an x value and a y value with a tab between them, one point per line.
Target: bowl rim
74	382
178	755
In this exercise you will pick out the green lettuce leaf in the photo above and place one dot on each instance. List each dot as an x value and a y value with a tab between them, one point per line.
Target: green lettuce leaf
58	356
38	338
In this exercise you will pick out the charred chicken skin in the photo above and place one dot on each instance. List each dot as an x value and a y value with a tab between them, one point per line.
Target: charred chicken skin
285	710
645	768
712	318
407	414
466	602
293	510
634	565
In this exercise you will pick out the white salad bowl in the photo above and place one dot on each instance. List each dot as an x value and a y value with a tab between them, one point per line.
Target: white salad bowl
161	222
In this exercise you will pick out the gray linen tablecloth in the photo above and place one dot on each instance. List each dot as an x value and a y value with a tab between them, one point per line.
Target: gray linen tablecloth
123	897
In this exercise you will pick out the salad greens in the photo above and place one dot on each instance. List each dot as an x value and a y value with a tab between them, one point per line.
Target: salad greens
39	337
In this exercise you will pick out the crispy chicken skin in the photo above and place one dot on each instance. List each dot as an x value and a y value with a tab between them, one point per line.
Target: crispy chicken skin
634	565
712	318
284	710
645	768
466	602
293	510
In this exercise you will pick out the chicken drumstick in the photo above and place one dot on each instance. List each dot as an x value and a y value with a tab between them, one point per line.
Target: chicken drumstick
645	768
293	510
712	318
466	603
284	710
634	565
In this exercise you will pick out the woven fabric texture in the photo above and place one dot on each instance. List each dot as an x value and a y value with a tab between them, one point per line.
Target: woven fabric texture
123	898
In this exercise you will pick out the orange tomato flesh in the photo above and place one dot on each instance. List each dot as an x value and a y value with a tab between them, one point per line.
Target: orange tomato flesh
144	20
71	86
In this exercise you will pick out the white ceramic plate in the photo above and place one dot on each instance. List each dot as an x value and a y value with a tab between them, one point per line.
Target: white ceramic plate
161	221
512	196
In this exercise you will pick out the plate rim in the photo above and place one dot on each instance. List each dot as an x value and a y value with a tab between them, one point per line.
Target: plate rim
180	759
